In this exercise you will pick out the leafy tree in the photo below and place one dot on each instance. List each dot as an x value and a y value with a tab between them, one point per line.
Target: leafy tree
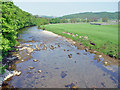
104	19
73	20
64	20
54	20
13	19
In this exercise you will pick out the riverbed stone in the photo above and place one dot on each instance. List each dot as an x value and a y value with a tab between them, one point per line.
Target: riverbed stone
37	48
70	55
29	50
44	48
51	47
106	63
35	60
31	67
58	45
86	49
9	74
22	60
39	71
16	73
99	56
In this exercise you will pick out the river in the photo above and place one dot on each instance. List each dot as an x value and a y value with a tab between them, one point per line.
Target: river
60	64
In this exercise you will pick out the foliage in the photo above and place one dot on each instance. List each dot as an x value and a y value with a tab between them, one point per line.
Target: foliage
73	20
104	19
54	20
63	20
13	19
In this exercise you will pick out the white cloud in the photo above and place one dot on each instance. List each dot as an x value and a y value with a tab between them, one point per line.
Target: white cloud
65	0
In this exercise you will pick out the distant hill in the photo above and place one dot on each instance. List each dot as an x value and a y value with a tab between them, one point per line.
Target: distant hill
109	15
47	16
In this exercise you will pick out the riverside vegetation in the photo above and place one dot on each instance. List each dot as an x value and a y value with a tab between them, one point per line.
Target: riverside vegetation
13	19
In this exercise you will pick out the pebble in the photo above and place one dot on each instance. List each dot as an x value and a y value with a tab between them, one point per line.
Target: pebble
80	36
14	73
39	71
58	45
70	56
31	67
105	63
35	60
100	56
86	49
29	50
22	60
94	51
44	48
37	47
51	47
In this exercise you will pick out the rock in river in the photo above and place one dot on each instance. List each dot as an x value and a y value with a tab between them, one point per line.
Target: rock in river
70	56
29	50
39	71
51	47
100	56
44	47
35	60
31	67
37	48
16	73
86	49
11	74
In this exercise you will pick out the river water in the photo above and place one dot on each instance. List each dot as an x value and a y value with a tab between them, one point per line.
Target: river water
61	66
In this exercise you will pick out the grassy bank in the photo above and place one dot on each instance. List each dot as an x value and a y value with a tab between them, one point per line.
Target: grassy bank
103	38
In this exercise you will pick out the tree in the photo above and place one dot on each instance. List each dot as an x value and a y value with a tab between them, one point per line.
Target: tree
73	20
54	20
64	20
104	19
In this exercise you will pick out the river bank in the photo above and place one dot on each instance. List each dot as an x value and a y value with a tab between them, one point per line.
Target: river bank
51	61
94	37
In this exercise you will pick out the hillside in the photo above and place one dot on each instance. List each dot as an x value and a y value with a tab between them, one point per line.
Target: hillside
109	15
48	17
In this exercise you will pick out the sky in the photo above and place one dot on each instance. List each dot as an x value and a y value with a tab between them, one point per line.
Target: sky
64	7
65	0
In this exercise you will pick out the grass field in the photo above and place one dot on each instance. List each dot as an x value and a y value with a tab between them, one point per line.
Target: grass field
105	37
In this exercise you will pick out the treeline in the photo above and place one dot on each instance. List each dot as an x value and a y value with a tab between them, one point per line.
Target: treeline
75	20
13	19
97	15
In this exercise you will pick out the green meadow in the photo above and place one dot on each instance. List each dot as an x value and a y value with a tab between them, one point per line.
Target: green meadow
105	37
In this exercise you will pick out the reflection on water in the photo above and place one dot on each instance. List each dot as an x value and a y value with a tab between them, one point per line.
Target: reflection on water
59	64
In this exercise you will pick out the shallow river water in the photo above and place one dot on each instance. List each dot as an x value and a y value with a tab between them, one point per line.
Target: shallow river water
61	66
